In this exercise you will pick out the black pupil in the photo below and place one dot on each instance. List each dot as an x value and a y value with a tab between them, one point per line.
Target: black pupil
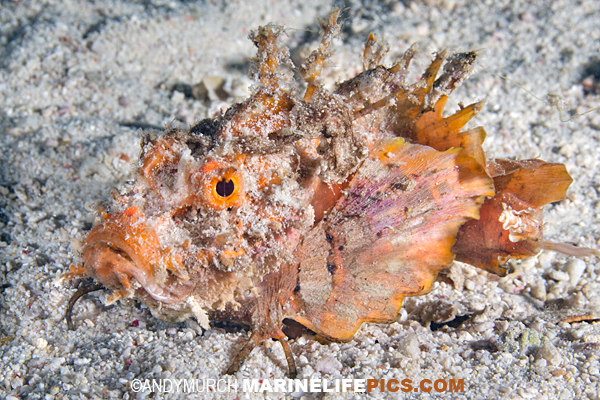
225	188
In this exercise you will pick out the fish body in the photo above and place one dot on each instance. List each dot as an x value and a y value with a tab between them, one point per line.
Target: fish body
326	208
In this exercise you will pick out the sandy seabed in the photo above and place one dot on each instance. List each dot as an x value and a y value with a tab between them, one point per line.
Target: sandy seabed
78	79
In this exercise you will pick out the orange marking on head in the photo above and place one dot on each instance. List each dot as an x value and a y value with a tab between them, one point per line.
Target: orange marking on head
131	211
160	154
233	253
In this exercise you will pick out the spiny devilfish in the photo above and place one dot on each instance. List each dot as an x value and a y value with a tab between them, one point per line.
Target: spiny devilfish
326	208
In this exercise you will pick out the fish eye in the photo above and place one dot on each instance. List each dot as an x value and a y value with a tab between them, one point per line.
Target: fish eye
225	187
220	186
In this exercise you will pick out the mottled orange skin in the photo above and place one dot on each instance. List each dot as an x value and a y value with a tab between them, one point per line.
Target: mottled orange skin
326	208
392	249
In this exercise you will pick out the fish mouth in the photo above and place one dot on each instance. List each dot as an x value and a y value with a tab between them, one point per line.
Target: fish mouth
124	254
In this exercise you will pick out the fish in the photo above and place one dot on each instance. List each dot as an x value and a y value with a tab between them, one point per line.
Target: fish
323	208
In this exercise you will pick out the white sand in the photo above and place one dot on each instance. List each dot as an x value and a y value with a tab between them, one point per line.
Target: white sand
72	72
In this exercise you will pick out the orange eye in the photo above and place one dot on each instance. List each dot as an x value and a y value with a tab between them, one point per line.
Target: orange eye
221	187
218	185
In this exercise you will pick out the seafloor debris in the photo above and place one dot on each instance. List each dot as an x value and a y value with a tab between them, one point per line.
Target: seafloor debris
325	208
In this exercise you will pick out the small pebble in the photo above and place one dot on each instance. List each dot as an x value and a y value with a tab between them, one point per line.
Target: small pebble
16	382
328	365
549	353
171	331
177	97
410	346
124	101
559	275
41	343
538	290
50	143
575	268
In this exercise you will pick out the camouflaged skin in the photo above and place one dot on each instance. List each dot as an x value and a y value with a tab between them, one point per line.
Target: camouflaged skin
326	208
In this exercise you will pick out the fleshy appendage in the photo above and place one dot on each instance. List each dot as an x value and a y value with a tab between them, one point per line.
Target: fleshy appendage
511	223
